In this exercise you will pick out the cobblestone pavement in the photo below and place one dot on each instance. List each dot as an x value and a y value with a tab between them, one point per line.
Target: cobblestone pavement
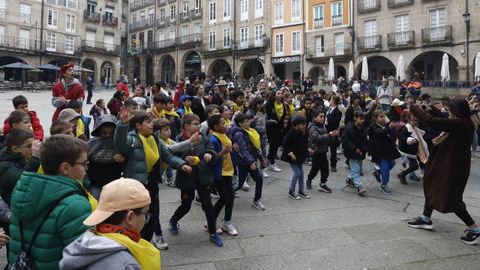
329	231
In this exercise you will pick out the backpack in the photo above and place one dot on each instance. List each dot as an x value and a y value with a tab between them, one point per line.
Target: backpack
25	260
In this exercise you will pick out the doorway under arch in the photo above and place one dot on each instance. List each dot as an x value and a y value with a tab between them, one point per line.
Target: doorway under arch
192	63
149	71
252	68
315	73
378	67
168	69
106	73
427	66
220	68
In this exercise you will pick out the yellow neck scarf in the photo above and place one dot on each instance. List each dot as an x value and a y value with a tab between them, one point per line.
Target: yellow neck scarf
279	109
254	137
93	202
146	255
80	128
227	164
171	113
188	110
150	148
228	123
237	108
156	113
168	141
292	109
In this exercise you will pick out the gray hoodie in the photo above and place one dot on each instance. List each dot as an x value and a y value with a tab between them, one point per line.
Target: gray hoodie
93	252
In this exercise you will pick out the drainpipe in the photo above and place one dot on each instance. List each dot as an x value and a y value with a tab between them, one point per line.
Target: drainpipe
41	31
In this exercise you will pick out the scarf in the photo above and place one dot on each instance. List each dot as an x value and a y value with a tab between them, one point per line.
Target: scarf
171	113
292	109
80	128
228	123
278	109
254	137
227	164
188	110
146	255
150	148
67	86
168	141
237	108
156	113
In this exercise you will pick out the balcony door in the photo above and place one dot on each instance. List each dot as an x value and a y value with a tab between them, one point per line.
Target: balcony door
90	39
438	21
24	36
339	44
402	28
319	46
370	28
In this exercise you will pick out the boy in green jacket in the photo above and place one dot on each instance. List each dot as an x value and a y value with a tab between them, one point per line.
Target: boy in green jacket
64	162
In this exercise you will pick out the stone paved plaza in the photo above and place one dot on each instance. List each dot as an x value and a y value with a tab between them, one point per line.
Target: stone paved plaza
329	231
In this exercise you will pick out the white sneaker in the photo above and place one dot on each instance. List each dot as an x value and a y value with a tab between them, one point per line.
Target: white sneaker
159	243
227	227
218	231
259	205
245	186
274	168
264	173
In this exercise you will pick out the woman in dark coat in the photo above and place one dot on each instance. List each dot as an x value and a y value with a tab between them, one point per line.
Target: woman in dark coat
448	167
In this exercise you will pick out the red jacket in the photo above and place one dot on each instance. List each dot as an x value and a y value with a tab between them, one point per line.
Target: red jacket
76	92
122	86
36	126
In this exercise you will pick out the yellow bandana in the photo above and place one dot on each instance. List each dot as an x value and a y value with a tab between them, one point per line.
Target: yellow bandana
237	108
93	202
254	137
279	109
146	255
228	123
292	109
150	148
166	142
227	164
156	113
188	110
171	113
80	128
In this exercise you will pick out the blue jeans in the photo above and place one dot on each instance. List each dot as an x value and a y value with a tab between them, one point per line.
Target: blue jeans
297	176
356	170
169	172
385	167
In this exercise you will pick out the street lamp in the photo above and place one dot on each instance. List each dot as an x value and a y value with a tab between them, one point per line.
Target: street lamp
466	19
351	31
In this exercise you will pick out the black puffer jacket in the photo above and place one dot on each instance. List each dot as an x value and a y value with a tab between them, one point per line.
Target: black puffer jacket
318	138
354	138
295	141
380	145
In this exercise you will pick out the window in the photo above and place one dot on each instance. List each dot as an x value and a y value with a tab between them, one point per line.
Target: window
295	10
197	28
108	42
173	33
90	38
438	21
51	42
3	9
244	37
2	34
369	3
337	15
151	14
370	28
402	28
259	31
339	44
227	9
279	13
134	18
52	18
197	4
319	46
71	3
211	39
90	9
185	9
24	41
296	42
226	37
244	10
212	13
184	33
161	36
173	11
25	13
69	44
162	14
70	23
318	17
258	8
279	44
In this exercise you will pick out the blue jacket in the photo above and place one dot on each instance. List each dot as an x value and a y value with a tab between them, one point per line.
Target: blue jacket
247	154
135	166
217	166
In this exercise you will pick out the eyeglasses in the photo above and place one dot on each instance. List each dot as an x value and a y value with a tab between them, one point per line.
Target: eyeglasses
147	215
84	164
28	146
195	124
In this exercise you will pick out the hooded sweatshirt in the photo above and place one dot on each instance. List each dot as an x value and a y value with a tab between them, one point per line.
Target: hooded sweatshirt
71	91
94	252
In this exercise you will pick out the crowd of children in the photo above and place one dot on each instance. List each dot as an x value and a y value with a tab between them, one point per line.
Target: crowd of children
215	141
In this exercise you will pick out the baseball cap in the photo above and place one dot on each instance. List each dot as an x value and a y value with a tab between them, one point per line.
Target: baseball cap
68	115
119	195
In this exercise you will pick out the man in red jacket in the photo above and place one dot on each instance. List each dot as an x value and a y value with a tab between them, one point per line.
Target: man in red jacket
20	103
66	89
122	85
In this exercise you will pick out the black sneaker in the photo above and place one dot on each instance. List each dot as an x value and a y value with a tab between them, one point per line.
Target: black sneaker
294	196
361	190
309	184
334	169
471	237
324	188
376	174
303	195
414	177
350	182
197	200
419	223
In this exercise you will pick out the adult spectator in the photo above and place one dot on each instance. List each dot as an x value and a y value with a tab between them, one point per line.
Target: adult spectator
122	86
414	88
384	92
89	84
476	90
66	89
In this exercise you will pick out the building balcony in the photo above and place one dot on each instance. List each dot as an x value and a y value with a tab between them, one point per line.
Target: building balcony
172	19
17	44
218	49
138	4
172	1
109	20
91	17
437	36
165	45
161	2
196	14
365	6
399	3
135	26
318	24
61	49
184	16
340	52
100	47
337	20
163	22
189	41
401	40
252	45
369	43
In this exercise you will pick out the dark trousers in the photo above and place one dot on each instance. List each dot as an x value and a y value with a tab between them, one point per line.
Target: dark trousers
90	94
333	155
412	166
461	213
319	163
187	196
243	171
153	225
227	196
275	140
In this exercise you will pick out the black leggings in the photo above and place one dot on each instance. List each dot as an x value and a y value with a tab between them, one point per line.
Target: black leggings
227	197
462	214
187	196
243	171
275	140
412	166
153	225
319	163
